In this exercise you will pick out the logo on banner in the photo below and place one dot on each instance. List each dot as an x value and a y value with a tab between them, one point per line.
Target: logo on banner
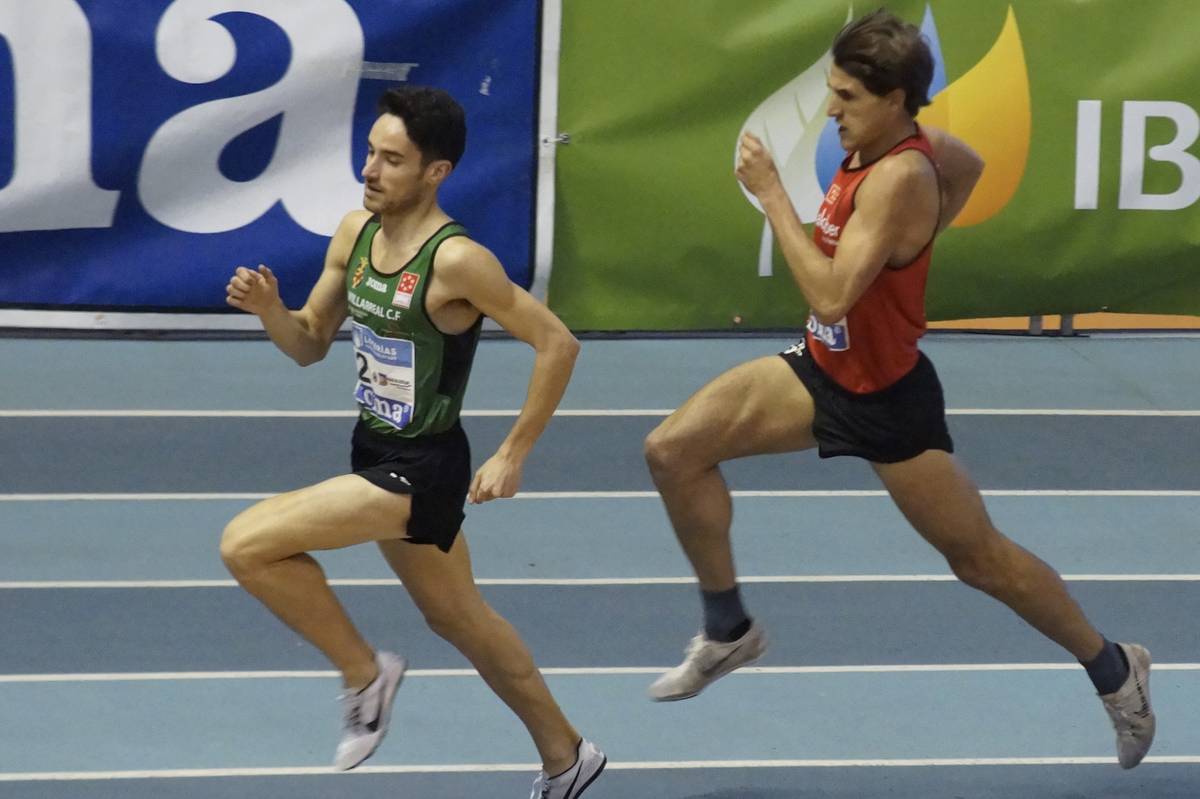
359	272
807	152
404	289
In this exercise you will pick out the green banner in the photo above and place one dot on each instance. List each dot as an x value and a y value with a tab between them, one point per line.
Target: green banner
1086	111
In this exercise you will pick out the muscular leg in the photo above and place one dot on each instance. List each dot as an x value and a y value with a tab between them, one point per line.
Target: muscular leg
755	408
444	590
264	548
936	495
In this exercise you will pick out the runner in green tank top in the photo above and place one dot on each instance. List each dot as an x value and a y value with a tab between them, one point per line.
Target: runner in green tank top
415	289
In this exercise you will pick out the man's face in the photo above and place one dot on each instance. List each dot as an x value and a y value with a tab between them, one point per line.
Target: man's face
393	177
861	116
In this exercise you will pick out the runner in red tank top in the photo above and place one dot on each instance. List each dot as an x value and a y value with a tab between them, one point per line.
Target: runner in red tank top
864	389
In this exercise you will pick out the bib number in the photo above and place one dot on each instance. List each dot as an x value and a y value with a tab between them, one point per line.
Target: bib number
386	375
836	336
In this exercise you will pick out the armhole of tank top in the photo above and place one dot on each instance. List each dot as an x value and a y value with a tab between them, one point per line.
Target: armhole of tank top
452	342
937	175
432	265
358	240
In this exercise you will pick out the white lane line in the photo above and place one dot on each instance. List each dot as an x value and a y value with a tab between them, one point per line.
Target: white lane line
581	671
154	413
648	765
378	582
537	495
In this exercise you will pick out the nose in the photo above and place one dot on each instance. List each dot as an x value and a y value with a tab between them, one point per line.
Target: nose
369	168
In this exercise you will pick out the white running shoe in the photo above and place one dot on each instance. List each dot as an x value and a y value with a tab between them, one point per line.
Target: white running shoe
705	661
1129	708
589	762
366	713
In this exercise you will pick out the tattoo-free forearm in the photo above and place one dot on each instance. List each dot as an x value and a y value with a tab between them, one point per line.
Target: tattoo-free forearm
552	368
292	332
811	269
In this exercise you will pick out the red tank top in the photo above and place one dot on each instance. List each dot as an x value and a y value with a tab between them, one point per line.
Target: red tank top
875	344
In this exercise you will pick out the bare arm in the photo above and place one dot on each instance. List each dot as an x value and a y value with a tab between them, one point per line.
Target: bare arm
960	168
304	335
472	273
883	209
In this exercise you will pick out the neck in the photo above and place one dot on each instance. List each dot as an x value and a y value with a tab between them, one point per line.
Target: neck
888	138
403	225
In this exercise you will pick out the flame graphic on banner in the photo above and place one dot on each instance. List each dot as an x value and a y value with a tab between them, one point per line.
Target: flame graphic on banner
989	109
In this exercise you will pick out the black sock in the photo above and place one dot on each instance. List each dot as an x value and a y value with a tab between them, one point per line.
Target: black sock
725	619
1108	670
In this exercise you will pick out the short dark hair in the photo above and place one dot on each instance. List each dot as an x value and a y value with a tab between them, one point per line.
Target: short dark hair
434	120
886	53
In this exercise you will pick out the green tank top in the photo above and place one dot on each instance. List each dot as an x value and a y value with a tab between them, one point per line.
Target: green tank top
411	376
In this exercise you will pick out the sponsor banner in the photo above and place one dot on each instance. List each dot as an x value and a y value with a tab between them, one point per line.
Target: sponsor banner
1084	112
148	147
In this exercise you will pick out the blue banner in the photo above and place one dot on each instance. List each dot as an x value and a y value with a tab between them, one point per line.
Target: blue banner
149	147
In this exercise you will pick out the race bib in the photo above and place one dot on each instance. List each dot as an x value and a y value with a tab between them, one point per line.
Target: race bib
836	336
386	375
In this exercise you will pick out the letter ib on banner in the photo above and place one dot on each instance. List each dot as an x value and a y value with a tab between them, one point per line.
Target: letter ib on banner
149	146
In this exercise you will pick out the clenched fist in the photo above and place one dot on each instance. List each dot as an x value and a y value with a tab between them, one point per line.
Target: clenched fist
255	292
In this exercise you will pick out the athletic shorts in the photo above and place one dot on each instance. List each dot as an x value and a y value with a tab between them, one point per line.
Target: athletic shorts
886	426
435	470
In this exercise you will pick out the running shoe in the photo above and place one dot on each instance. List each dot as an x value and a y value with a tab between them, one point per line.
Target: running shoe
705	661
365	713
1129	708
589	762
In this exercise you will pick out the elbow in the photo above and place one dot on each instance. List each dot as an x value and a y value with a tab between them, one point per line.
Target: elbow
975	170
568	347
829	313
311	356
562	346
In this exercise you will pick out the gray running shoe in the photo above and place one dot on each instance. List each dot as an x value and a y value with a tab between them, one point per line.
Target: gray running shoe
589	762
366	713
705	661
1129	708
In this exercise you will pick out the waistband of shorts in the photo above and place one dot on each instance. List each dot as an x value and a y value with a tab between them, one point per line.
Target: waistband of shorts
451	433
827	381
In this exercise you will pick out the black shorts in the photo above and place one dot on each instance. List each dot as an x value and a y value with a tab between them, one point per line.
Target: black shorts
887	426
435	470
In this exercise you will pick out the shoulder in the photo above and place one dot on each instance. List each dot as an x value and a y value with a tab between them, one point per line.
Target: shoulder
899	176
906	168
352	224
459	254
344	238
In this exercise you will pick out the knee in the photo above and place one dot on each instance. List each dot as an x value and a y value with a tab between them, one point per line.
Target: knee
451	621
665	452
239	550
987	568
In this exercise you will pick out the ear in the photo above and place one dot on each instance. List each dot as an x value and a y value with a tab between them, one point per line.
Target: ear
896	98
437	171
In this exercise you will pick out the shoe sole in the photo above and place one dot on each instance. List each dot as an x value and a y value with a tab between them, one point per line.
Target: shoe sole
385	716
